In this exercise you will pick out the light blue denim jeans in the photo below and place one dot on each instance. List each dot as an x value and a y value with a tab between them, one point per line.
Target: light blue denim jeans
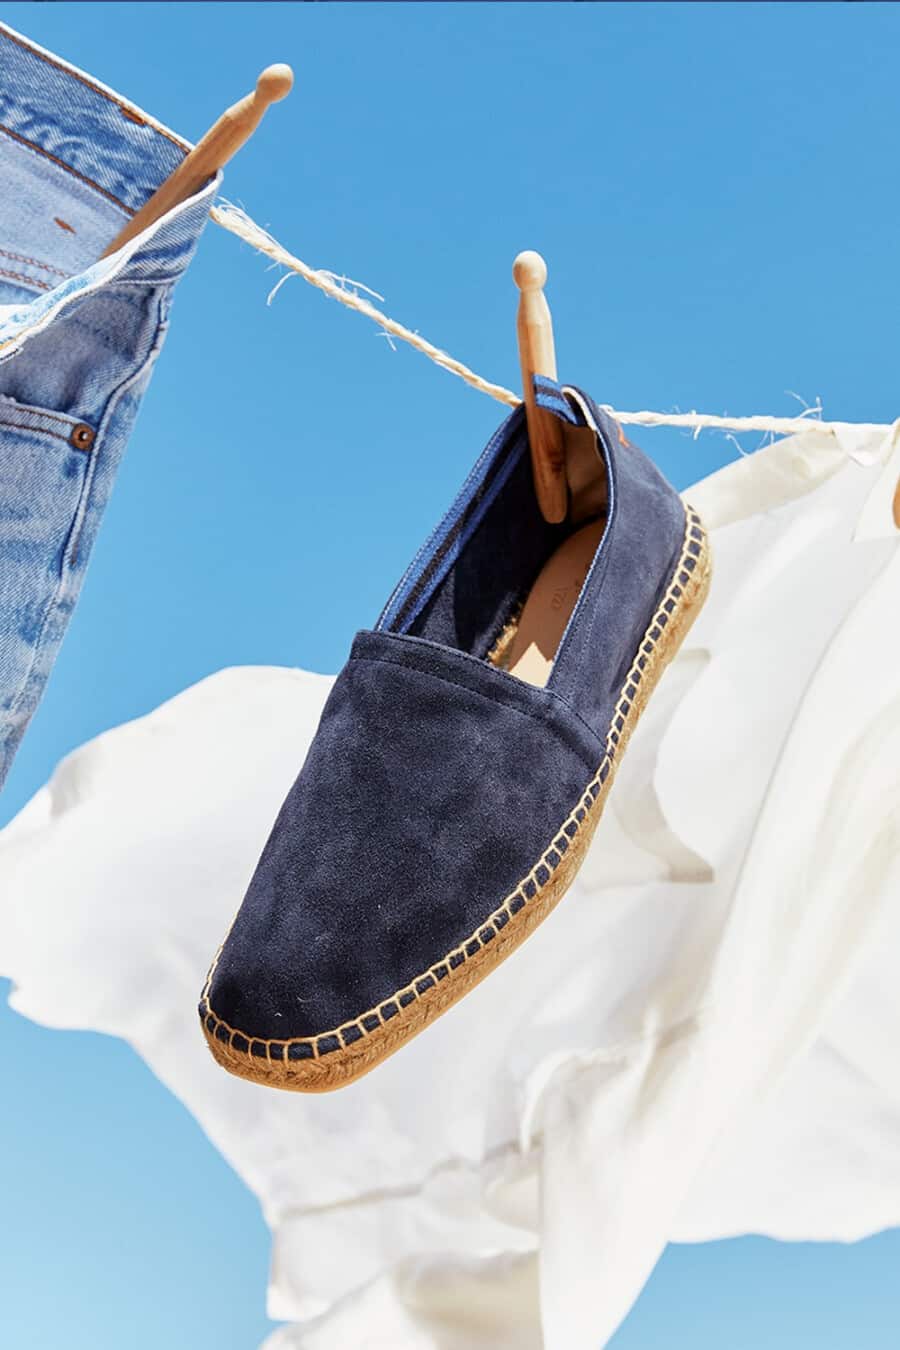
78	337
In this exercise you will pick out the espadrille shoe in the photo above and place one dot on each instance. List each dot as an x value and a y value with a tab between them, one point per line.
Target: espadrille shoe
462	760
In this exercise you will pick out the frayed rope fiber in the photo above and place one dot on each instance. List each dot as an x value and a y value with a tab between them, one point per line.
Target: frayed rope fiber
346	292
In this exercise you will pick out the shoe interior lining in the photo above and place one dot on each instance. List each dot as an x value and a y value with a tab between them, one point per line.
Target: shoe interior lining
533	640
511	592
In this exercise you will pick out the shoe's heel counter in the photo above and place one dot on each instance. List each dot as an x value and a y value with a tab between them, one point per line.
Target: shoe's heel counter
642	488
633	567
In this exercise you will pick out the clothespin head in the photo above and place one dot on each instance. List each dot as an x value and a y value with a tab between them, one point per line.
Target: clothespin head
224	138
537	356
274	84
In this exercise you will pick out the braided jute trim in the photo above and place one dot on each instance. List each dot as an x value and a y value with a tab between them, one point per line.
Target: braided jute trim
274	1059
339	288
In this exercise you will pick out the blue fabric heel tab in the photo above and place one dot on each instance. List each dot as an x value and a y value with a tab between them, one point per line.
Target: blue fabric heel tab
549	395
557	399
606	424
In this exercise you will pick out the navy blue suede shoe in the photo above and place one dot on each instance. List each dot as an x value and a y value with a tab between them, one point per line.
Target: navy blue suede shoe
462	760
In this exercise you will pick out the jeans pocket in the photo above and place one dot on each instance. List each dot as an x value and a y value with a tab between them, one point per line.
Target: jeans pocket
44	465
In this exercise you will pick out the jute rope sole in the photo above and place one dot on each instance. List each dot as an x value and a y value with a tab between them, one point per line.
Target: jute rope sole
320	1072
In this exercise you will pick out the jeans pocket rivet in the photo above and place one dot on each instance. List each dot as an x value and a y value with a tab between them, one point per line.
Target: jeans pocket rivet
82	436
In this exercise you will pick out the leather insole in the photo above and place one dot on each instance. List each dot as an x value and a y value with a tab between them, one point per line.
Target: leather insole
533	647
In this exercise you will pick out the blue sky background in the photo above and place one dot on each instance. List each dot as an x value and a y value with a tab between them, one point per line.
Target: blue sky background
715	190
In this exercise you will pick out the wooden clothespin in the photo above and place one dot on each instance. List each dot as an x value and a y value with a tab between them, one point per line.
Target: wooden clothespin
537	355
236	125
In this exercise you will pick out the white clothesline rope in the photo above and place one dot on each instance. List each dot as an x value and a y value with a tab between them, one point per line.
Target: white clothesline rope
346	292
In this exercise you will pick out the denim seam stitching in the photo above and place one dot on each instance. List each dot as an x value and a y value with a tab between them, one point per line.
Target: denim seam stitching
12	406
37	431
89	182
27	282
134	115
33	262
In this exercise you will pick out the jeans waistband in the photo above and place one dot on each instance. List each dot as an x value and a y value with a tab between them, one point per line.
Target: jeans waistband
100	138
77	161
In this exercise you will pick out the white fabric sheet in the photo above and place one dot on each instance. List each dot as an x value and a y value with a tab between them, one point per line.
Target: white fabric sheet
700	1042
